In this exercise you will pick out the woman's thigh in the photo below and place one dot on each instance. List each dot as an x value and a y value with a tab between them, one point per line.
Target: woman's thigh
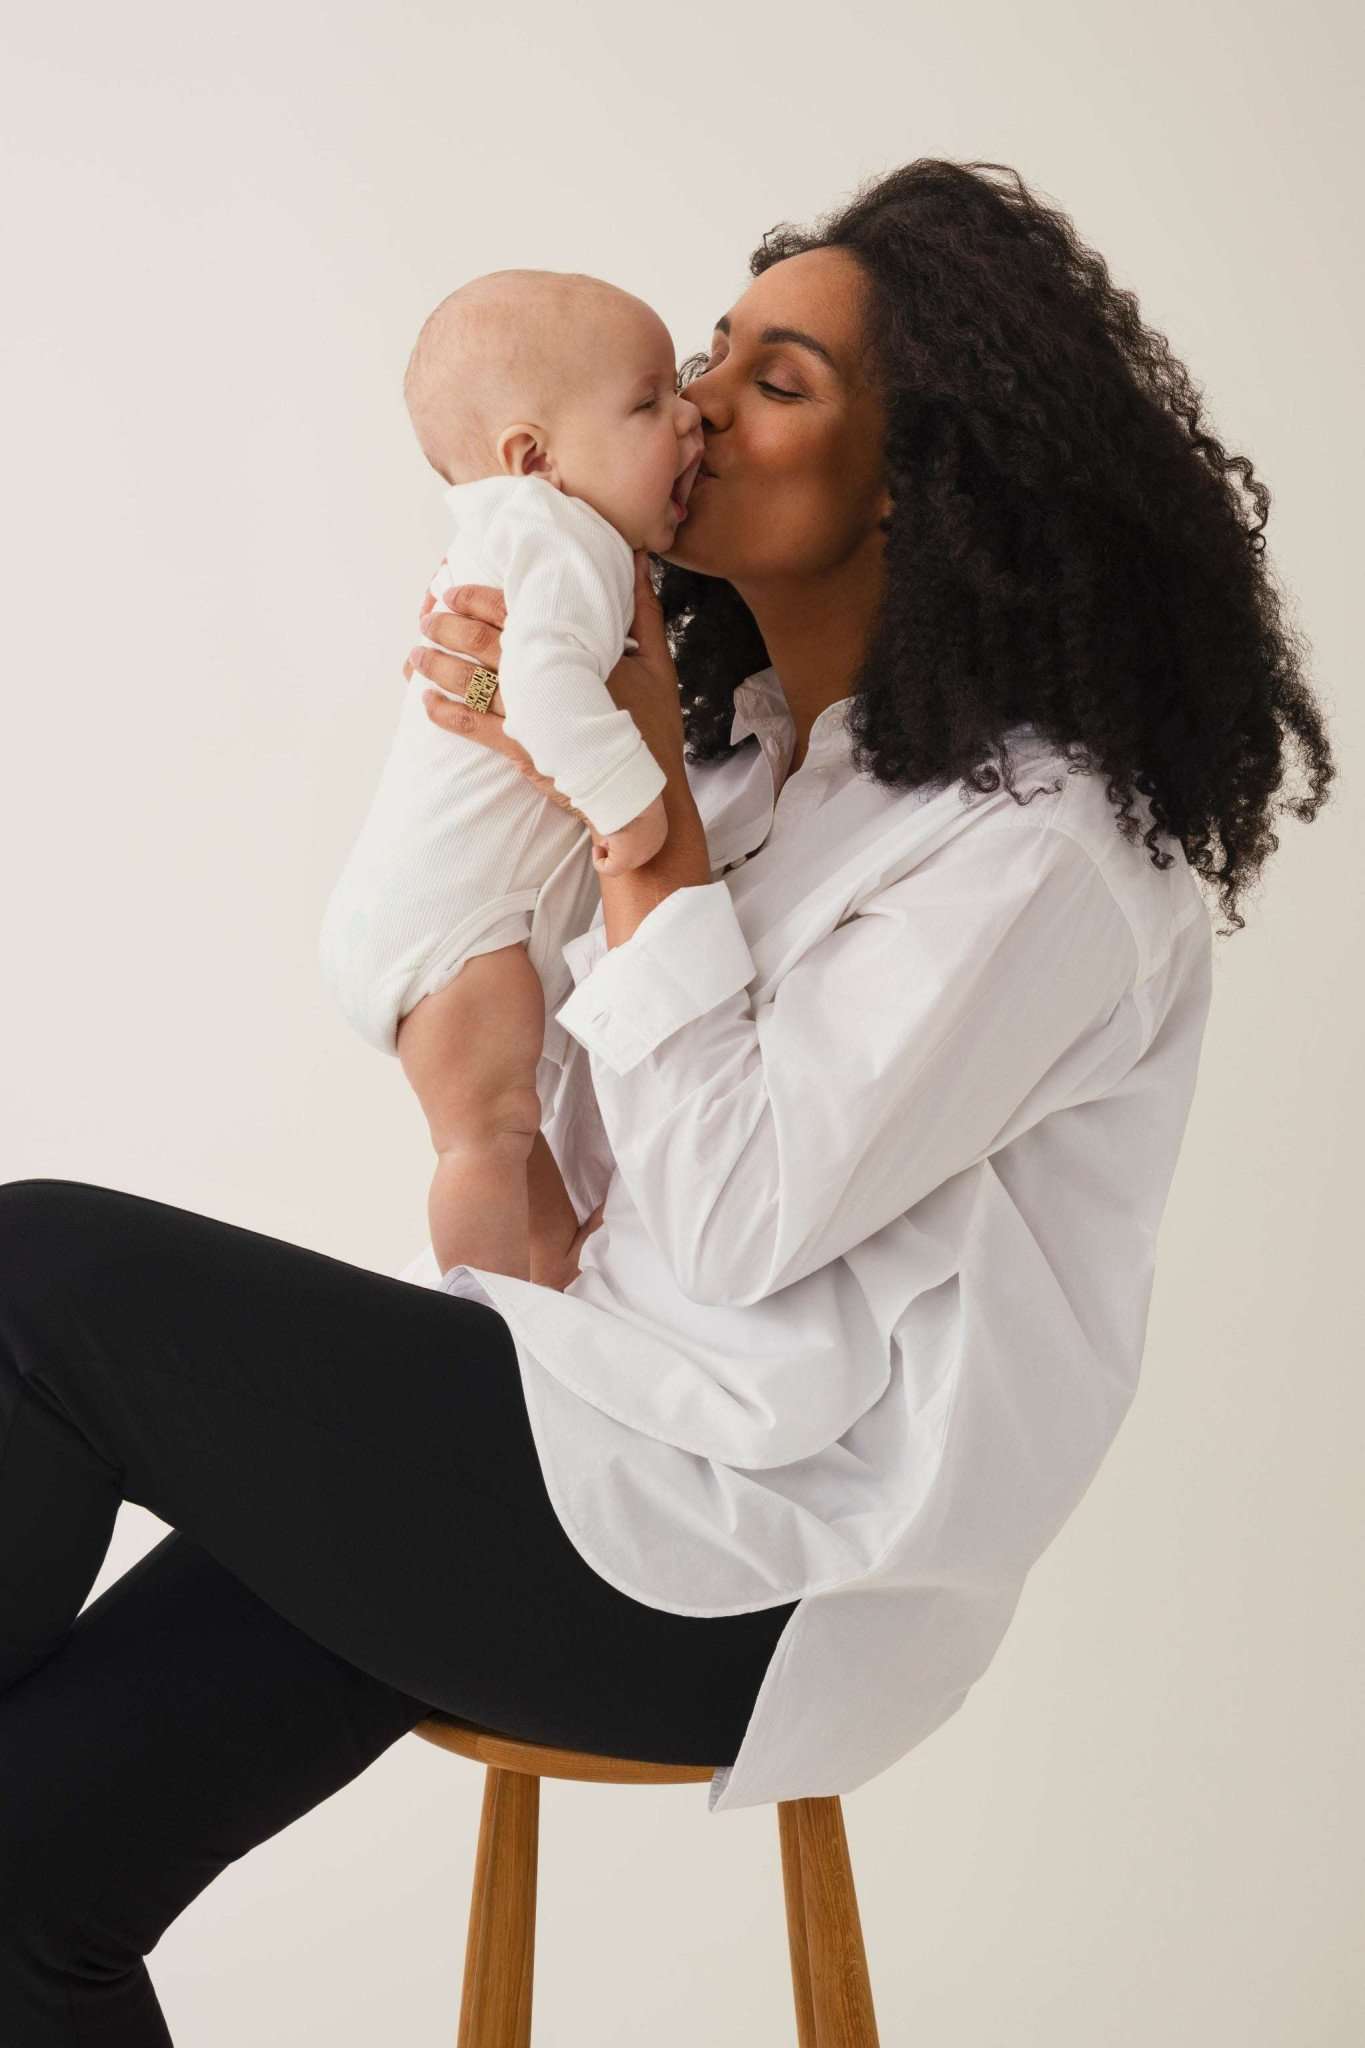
356	1451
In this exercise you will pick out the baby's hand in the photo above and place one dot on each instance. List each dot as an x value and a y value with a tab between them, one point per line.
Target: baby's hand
630	846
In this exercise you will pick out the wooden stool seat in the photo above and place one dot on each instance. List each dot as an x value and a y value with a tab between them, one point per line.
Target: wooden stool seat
830	1984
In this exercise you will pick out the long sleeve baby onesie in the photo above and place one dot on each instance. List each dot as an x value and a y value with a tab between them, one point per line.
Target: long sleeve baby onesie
459	853
568	580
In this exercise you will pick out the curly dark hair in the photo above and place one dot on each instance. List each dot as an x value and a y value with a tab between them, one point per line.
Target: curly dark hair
1066	544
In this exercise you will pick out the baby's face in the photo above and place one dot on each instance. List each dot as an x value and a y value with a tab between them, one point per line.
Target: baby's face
628	443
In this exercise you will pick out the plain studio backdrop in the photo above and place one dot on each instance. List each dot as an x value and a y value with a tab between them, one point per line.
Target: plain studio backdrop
225	227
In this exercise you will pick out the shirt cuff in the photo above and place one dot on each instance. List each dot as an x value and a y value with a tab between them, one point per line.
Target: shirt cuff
686	955
623	793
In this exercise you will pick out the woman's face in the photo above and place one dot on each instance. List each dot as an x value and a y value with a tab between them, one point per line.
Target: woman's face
791	482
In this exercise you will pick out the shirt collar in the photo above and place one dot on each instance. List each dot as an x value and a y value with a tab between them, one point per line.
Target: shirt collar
760	703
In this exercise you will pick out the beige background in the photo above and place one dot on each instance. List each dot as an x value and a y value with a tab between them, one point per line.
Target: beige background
226	226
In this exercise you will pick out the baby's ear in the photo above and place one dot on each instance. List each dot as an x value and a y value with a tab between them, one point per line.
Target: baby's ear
522	451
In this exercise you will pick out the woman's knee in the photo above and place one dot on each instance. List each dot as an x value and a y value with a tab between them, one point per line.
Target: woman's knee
34	1201
43	1222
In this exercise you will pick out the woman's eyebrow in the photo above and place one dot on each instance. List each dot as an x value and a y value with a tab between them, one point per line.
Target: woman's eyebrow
793	334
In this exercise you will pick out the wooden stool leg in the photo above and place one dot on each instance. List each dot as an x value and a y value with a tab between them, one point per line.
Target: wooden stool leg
499	1962
789	1834
830	1983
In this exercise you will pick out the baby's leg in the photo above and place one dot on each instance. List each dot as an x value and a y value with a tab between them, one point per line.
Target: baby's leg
470	1052
554	1222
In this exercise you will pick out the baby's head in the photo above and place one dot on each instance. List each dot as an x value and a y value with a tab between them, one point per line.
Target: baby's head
548	373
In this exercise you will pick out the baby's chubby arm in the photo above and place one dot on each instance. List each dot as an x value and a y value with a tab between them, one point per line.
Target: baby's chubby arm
568	582
614	853
631	844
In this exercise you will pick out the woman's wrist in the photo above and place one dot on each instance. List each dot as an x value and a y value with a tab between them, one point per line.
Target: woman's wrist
684	819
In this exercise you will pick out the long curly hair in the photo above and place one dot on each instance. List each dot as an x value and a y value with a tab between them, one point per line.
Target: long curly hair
1067	544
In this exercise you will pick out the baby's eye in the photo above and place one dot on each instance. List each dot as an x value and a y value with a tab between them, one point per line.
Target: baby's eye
646	405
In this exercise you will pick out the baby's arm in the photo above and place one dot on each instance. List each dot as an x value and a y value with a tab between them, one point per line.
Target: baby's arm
568	581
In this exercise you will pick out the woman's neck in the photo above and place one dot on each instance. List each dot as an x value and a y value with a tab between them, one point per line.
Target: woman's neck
816	632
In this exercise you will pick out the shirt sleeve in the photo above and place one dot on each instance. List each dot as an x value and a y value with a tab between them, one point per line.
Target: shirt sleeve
948	1014
568	584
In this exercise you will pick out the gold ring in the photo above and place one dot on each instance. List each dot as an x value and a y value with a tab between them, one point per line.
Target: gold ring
482	684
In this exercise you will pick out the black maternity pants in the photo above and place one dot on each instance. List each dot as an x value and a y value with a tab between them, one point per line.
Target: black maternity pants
359	1532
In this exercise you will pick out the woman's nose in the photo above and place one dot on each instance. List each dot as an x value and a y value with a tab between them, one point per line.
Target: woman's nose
702	400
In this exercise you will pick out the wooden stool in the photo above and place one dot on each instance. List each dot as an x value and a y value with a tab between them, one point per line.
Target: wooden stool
829	1967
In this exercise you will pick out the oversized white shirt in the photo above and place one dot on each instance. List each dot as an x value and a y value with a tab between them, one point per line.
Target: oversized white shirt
885	1116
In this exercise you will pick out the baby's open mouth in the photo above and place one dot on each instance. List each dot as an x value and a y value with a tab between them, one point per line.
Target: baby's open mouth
682	485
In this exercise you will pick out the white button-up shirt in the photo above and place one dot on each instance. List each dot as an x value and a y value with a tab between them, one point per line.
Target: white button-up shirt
885	1116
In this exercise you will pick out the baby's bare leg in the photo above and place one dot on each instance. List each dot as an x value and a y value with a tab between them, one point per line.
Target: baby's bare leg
470	1053
554	1225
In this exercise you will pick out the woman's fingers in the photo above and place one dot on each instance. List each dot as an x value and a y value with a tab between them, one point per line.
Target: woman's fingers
478	605
470	632
471	624
478	601
429	599
427	607
447	671
484	726
468	635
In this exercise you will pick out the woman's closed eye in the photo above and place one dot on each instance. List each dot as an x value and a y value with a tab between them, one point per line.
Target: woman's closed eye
763	383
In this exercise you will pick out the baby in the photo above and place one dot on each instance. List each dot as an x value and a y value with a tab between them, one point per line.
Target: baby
548	403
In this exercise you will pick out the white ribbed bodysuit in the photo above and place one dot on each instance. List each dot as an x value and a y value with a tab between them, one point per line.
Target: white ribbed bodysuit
459	854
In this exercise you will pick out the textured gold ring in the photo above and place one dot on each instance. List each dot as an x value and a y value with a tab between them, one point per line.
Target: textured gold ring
482	685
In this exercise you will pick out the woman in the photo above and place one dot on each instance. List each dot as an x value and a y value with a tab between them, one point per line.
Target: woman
870	1089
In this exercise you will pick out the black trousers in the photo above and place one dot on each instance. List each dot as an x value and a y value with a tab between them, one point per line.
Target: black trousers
359	1532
